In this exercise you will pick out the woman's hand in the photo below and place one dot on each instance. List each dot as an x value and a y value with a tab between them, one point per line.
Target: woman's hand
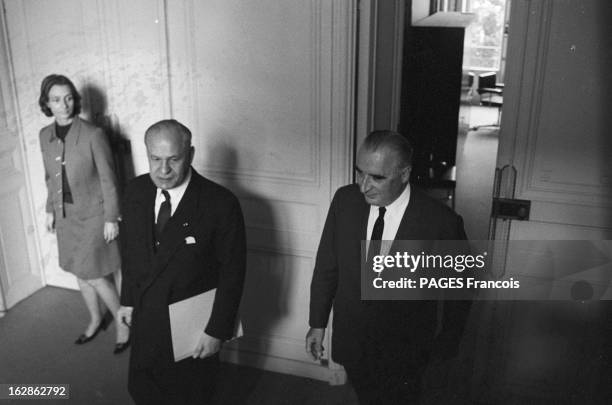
50	222
111	231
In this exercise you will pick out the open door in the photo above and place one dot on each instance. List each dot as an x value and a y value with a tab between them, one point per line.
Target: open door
20	271
555	151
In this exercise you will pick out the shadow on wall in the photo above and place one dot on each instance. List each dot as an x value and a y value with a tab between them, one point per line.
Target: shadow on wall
95	107
269	279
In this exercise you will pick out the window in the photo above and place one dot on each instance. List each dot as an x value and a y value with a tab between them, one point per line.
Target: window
484	36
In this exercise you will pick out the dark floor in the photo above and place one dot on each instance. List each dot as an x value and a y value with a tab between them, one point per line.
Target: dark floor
36	346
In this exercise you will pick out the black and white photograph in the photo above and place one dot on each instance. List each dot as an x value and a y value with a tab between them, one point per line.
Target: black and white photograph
343	202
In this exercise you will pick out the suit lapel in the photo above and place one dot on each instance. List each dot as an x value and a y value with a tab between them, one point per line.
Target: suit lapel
365	215
53	134
70	148
54	149
363	212
173	236
148	213
71	140
186	210
408	228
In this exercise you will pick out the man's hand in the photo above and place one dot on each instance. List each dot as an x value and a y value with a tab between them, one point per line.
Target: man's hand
124	314
50	222
111	231
207	346
314	342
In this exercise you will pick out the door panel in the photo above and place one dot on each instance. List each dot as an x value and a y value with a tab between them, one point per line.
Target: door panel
115	53
271	106
554	132
20	271
267	89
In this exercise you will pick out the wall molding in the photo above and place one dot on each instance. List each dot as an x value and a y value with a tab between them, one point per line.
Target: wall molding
311	177
17	143
535	32
398	53
285	366
284	251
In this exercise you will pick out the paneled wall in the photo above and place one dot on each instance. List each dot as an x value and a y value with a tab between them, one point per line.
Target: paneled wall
115	52
266	88
555	134
20	273
254	81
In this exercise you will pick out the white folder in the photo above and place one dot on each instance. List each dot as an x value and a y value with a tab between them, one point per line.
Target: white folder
188	318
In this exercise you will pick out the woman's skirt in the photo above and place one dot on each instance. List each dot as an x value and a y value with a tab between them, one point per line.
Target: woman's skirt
82	248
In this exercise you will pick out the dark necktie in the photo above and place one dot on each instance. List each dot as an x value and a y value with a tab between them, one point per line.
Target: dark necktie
163	216
377	232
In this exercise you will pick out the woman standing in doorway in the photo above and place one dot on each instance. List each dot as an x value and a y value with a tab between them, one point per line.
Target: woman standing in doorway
82	202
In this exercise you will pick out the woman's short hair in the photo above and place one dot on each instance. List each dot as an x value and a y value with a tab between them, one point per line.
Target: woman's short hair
61	80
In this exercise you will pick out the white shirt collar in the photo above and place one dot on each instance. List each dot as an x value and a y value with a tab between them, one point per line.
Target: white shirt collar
176	195
393	218
398	206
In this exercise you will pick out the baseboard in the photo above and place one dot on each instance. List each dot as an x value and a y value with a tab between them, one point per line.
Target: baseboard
316	371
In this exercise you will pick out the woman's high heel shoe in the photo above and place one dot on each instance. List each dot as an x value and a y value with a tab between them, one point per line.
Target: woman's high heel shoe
83	338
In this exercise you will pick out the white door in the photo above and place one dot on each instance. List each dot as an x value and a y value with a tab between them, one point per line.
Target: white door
115	54
20	269
267	89
555	133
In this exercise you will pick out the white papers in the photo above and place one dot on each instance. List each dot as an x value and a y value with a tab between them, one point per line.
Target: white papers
188	318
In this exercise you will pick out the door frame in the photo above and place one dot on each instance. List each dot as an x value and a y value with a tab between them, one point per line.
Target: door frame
378	96
14	125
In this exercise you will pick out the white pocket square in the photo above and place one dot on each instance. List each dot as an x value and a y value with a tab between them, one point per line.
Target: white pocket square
190	240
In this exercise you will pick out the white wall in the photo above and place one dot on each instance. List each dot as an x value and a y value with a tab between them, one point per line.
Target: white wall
267	90
115	54
20	273
420	9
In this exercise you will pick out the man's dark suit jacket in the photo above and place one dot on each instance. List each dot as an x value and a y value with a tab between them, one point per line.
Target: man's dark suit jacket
336	279
209	215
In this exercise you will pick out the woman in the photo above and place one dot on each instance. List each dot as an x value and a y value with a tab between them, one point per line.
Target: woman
82	202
